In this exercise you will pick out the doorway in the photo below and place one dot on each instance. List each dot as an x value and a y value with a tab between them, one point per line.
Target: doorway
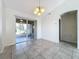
25	30
68	28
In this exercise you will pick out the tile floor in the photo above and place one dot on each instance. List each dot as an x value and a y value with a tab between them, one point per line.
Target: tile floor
22	39
40	49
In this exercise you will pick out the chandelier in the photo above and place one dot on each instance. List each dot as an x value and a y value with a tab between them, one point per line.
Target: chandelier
39	10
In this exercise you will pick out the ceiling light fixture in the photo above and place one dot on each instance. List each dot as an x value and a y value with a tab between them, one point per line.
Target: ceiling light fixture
39	10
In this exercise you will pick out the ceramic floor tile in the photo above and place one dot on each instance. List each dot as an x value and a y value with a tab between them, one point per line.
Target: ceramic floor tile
7	53
39	57
61	55
76	54
50	53
1	57
66	51
40	49
20	56
31	53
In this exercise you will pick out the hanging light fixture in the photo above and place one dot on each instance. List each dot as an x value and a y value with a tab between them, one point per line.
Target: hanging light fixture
39	10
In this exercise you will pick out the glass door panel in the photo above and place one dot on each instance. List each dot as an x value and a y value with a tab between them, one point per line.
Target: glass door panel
21	30
30	29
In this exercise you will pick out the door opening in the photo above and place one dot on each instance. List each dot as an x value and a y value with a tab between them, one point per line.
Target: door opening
25	30
68	28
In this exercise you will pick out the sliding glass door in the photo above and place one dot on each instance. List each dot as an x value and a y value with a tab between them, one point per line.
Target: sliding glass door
25	30
32	29
21	30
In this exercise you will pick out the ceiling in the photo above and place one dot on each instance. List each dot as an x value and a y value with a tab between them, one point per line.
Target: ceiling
27	6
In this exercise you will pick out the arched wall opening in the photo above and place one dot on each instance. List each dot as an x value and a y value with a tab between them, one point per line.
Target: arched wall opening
68	27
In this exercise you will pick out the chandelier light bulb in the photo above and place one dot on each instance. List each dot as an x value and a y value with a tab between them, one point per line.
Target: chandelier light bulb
39	14
39	11
42	9
35	12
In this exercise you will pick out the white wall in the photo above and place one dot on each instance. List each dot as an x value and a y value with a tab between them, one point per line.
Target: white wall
50	23
50	28
2	25
11	23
